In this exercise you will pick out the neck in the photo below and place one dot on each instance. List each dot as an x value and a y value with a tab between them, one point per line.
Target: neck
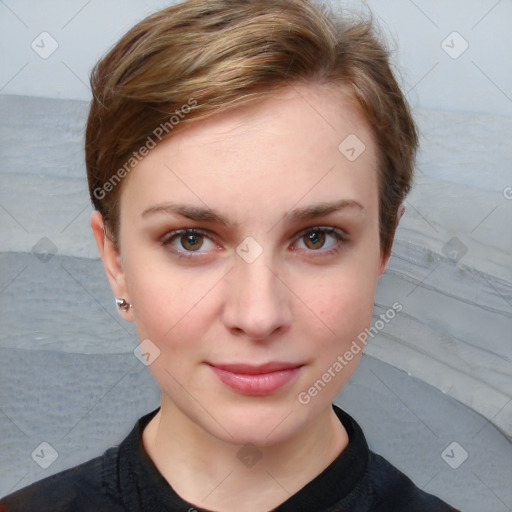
216	475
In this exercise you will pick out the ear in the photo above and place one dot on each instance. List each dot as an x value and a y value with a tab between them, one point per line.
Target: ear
385	257
112	262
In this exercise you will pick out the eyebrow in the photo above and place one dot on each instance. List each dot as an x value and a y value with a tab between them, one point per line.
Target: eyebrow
297	214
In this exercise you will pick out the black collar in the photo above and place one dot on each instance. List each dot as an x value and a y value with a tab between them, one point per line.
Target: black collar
141	487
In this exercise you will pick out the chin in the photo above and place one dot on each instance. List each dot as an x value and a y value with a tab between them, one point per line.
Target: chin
259	423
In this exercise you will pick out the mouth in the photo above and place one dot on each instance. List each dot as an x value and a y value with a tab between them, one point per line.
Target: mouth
256	380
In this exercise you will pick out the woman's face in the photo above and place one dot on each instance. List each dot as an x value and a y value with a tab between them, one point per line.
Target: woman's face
265	277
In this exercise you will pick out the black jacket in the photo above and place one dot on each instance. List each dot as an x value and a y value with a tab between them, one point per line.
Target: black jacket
125	479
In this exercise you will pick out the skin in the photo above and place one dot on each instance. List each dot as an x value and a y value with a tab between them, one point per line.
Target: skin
294	303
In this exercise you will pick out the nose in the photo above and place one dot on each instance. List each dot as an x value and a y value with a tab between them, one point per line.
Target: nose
258	302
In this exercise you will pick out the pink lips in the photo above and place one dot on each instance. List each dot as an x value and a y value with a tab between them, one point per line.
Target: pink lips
256	380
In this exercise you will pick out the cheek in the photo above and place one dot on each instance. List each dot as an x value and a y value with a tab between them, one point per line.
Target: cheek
154	290
342	304
347	310
171	304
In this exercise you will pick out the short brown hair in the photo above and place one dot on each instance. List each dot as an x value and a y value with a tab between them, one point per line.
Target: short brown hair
199	57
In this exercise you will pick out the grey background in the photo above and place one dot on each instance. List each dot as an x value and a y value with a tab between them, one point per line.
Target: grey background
440	372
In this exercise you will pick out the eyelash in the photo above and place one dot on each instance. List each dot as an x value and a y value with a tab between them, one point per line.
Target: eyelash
340	236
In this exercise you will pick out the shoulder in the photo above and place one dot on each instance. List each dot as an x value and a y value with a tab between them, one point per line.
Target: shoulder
82	488
377	485
394	491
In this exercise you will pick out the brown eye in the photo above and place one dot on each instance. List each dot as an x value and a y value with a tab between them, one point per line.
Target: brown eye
322	241
191	242
188	242
314	239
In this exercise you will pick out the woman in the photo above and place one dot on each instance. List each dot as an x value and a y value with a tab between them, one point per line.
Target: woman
247	161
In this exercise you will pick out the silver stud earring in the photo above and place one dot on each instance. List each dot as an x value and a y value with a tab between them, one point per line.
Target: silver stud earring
123	304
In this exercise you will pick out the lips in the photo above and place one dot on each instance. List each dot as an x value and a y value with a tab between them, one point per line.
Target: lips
258	380
249	369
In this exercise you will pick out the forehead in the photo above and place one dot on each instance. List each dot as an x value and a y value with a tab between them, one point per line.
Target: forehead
320	115
306	140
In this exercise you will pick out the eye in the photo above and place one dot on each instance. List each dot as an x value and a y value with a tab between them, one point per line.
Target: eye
315	239
189	241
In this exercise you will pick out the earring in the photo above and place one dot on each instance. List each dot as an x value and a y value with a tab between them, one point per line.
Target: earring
123	304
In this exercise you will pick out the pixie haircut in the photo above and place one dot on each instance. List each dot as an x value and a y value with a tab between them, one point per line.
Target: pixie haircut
201	57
